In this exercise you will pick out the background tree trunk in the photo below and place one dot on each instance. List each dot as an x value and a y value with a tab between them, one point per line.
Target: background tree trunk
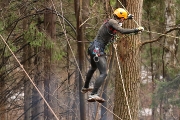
80	52
27	51
109	77
50	81
129	55
3	107
37	101
27	85
170	49
170	43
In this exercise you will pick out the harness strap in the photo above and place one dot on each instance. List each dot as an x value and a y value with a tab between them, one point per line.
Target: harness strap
114	31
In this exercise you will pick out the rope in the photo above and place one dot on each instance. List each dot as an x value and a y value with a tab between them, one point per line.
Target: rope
111	112
115	47
29	77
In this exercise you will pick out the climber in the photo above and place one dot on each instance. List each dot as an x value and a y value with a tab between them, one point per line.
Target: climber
96	50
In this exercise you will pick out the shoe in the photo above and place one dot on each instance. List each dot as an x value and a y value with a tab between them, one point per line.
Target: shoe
85	90
94	98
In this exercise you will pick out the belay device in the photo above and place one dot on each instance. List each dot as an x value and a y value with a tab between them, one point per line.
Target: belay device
96	52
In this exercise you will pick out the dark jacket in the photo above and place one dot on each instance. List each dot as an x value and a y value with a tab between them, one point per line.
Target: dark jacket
106	33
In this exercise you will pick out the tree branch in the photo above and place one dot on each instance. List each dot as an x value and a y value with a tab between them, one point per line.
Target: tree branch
159	38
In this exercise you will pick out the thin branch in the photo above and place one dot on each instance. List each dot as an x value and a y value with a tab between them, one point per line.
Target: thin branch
159	38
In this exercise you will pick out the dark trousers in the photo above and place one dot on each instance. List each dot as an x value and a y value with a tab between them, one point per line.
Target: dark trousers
101	65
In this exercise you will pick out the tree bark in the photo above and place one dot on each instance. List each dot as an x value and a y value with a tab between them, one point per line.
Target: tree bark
27	51
170	22
3	107
109	77
2	104
81	56
27	85
37	101
50	81
169	50
126	107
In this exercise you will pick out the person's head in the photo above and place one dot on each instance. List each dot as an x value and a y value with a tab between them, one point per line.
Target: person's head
120	14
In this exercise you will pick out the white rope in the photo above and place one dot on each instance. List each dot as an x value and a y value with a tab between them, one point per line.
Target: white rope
129	111
111	112
29	78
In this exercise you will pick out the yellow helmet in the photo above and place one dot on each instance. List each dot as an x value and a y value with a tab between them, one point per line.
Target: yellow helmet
121	13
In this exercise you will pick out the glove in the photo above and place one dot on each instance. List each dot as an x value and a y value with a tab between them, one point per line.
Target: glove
139	29
130	16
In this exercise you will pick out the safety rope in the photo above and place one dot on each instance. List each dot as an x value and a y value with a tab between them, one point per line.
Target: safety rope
29	77
111	112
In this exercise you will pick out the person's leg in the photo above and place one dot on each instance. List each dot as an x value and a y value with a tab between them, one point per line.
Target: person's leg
90	72
102	66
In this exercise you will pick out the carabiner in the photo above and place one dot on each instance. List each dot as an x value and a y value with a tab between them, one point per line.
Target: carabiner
96	58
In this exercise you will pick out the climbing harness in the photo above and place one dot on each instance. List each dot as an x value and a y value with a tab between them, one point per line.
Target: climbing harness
96	52
96	49
96	58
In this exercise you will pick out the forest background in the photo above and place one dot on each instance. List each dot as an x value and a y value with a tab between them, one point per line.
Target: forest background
44	60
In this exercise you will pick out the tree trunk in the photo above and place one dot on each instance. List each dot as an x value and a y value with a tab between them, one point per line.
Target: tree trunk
126	104
148	10
2	104
50	81
27	85
3	107
27	51
109	77
170	43
37	101
169	51
78	12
